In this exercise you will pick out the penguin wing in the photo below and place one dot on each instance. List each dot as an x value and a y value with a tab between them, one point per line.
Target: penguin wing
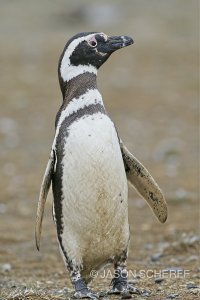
46	182
139	177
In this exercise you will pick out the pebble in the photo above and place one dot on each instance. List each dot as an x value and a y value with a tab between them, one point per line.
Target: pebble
181	194
65	290
103	295
6	267
192	258
49	282
146	293
133	281
195	291
126	296
191	240
191	285
163	245
172	296
148	246
174	260
156	257
159	280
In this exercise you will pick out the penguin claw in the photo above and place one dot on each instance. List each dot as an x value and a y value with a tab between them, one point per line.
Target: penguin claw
132	290
86	294
127	289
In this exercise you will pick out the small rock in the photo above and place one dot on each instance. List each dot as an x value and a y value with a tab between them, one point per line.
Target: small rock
156	257
159	280
65	290
174	260
163	245
146	293
191	285
6	267
126	296
181	194
133	281
103	295
192	258
172	296
49	282
195	291
148	246
191	240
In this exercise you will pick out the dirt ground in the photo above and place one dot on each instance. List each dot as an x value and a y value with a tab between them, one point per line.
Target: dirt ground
150	91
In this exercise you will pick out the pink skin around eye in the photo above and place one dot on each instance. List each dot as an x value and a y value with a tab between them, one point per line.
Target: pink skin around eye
92	41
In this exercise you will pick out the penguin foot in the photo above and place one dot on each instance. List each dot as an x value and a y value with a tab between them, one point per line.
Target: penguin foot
133	290
86	293
82	291
123	287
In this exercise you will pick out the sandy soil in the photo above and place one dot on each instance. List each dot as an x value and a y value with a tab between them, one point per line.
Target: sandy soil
150	91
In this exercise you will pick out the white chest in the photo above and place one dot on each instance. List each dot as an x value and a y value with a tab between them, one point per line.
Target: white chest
92	158
94	189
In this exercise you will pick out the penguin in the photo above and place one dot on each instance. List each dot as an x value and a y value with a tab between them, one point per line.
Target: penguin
89	168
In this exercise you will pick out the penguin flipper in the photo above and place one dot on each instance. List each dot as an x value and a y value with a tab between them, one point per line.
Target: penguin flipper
46	182
139	177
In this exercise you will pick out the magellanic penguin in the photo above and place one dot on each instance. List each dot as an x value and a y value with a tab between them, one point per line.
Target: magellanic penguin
89	167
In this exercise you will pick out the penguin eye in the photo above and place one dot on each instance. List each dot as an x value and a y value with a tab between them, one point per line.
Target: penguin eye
92	42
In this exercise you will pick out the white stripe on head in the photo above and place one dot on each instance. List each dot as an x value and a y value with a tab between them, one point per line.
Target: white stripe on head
124	40
90	97
104	36
67	71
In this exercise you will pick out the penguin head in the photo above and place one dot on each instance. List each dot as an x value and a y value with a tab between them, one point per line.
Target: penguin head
86	52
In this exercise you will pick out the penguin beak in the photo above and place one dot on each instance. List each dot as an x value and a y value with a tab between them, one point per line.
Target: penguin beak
118	42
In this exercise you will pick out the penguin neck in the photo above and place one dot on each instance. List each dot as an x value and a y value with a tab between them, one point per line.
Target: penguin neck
78	86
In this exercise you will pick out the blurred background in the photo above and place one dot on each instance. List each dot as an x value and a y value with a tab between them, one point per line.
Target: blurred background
150	91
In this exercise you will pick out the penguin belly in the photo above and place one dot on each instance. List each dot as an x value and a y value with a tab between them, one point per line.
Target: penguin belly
94	193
